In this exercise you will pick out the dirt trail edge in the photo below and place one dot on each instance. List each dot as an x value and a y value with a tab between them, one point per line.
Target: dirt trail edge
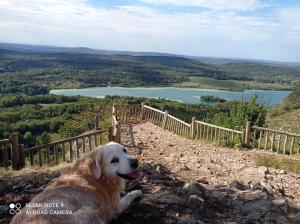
189	182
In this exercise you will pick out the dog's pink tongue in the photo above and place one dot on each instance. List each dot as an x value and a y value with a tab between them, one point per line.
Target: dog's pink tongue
136	175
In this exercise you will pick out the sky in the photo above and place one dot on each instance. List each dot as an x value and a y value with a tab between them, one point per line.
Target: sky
257	29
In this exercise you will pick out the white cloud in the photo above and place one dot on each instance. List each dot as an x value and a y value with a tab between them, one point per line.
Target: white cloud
239	5
140	28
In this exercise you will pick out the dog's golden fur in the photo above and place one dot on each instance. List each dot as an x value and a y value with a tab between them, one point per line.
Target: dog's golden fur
91	200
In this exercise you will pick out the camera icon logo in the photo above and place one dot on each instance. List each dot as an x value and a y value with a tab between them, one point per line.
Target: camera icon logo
15	208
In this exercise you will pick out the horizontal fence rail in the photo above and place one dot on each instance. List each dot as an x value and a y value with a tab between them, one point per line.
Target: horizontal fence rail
65	150
218	134
166	121
274	140
178	126
153	115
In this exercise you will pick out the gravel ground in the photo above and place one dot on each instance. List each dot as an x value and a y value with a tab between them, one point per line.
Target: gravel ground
233	188
185	182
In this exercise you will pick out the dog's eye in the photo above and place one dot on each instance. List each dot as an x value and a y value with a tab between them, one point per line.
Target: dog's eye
114	160
124	150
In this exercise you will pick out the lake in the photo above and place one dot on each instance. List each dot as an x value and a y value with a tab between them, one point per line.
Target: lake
186	95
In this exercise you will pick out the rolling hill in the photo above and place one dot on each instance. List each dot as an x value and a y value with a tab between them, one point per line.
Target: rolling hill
56	68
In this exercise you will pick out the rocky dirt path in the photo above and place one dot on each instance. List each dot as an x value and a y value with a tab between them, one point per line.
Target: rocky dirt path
186	181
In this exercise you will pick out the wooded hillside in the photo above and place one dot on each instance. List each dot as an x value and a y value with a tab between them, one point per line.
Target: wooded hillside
63	70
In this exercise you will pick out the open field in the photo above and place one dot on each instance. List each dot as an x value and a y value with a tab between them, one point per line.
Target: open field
231	85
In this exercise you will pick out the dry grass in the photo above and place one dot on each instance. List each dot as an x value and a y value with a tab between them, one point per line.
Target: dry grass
30	170
289	121
288	164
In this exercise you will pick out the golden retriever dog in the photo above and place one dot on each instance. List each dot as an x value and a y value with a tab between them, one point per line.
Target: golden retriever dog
89	192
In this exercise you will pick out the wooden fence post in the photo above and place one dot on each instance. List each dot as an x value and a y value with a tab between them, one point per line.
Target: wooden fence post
164	123
97	122
114	112
21	156
247	133
142	115
118	133
15	150
193	127
110	134
243	136
5	155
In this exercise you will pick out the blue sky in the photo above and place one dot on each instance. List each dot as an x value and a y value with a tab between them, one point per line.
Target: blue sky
260	29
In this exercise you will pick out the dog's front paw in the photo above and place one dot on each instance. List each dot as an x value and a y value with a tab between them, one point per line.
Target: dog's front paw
136	193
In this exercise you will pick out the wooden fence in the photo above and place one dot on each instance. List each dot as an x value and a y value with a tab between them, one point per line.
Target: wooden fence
5	147
166	121
127	112
116	126
195	130
72	148
250	136
65	150
220	135
275	140
12	152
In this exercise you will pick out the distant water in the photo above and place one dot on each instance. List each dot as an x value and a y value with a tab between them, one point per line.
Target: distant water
186	95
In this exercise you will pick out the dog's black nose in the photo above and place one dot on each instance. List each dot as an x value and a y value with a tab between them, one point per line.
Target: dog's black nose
134	163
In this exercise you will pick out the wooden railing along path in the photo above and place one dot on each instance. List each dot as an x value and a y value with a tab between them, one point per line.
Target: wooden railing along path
275	140
218	134
250	136
64	150
195	130
11	152
72	148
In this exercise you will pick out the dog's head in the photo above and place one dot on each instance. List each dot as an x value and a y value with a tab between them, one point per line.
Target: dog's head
112	160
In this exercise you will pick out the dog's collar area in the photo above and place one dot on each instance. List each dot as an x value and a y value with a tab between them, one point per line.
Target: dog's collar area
132	176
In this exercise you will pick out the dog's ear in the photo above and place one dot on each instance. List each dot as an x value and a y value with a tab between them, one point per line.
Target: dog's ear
95	167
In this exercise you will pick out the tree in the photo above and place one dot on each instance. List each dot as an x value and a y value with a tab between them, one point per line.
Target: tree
28	138
247	111
44	138
55	125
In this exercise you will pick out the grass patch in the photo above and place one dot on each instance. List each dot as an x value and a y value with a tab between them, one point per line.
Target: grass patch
231	85
32	169
292	165
55	137
288	121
